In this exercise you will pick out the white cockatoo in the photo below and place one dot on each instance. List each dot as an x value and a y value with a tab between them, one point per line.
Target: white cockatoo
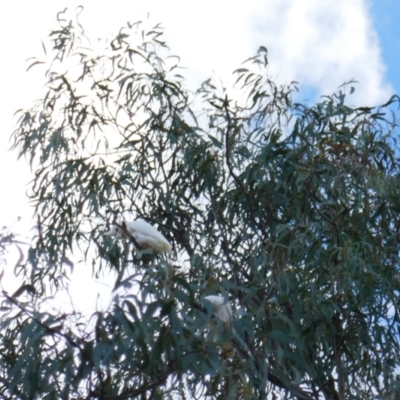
147	237
220	307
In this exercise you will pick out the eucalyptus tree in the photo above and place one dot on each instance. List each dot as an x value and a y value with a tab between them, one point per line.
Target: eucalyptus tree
288	211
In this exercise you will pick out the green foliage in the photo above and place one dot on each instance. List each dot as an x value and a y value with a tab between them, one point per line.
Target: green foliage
291	210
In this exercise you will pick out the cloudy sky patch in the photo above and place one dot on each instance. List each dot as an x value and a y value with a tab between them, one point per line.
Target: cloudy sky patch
324	44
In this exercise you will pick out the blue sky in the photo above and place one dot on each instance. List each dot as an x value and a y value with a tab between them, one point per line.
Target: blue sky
386	14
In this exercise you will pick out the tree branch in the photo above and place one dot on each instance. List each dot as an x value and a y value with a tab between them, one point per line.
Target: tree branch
232	173
47	328
333	223
127	233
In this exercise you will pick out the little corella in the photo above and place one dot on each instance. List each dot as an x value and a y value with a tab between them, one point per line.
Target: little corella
220	307
146	236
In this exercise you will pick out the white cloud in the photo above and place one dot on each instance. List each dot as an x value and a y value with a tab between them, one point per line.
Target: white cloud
324	44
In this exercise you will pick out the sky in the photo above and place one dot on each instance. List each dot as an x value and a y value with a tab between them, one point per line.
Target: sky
320	44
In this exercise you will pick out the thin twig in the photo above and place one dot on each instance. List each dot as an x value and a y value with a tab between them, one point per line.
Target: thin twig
47	328
234	176
333	223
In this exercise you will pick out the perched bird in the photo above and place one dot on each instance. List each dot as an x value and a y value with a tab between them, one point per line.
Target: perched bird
220	307
223	335
147	237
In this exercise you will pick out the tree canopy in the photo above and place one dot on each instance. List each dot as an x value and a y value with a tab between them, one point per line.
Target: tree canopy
289	211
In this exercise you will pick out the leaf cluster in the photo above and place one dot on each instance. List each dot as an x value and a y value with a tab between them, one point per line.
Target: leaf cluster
290	210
